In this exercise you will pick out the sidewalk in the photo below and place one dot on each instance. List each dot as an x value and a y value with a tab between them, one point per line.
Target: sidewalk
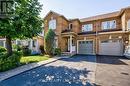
18	70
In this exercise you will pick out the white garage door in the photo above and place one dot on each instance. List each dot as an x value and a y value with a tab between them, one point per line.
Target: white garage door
85	47
111	47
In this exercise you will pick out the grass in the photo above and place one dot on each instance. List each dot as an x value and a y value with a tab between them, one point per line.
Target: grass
32	59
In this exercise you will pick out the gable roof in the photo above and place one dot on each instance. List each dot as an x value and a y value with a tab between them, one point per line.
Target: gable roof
108	15
98	17
55	14
103	16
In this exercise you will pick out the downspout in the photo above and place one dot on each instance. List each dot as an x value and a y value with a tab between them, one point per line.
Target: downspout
96	40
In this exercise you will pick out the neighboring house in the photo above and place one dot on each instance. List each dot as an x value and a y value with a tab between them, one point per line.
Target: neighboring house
106	34
33	44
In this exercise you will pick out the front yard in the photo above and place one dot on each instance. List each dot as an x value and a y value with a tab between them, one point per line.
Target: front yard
31	59
8	63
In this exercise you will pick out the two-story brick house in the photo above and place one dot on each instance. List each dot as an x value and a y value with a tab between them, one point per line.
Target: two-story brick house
106	34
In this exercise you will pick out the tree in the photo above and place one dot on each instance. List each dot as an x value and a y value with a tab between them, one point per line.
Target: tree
49	42
24	22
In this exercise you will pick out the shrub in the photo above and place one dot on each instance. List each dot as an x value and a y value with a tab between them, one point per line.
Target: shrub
42	49
57	51
9	62
2	49
17	47
49	42
26	51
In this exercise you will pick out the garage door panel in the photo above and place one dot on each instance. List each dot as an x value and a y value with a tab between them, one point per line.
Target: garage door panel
111	48
85	47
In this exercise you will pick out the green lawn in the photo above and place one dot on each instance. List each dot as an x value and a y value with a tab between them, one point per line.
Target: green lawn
31	59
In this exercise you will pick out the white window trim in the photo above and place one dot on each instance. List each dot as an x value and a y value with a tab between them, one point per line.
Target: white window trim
70	25
86	30
128	24
106	23
4	42
52	24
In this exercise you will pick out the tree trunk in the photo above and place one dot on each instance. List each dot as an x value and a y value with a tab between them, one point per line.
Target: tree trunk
9	45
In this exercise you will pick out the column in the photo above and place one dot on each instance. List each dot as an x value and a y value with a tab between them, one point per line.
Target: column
37	45
31	44
4	44
71	44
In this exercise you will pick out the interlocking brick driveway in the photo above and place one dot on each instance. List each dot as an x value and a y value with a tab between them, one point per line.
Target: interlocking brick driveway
112	71
76	71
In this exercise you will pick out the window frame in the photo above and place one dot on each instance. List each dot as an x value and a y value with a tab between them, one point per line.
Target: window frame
88	28
108	25
70	26
128	24
52	24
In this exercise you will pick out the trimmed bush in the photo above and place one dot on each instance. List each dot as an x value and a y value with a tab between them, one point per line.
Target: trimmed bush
57	51
9	62
49	42
2	49
42	49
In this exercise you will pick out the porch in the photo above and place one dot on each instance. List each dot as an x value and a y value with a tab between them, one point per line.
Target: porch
69	43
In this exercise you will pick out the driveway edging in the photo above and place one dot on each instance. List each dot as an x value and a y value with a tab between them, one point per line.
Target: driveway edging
18	70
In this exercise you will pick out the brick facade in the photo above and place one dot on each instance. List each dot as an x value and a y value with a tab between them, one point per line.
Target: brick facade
97	34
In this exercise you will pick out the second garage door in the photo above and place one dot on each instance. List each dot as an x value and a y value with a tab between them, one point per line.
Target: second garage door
85	47
111	47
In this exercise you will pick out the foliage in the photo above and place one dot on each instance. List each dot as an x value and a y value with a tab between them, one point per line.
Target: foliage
42	49
26	51
57	51
49	42
17	47
2	49
23	23
16	59
9	62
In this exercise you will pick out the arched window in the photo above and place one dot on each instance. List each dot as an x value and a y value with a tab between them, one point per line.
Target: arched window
128	24
52	23
70	26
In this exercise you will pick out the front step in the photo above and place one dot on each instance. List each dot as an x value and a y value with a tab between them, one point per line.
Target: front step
66	54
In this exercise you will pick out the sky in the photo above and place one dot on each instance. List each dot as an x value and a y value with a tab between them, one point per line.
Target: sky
82	8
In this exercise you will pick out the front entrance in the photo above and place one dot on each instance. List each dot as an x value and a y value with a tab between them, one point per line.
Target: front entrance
85	47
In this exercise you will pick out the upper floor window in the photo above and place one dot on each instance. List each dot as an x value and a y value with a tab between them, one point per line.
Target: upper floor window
87	27
109	24
70	26
52	24
128	24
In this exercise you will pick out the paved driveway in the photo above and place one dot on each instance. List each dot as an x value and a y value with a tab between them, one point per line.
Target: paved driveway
76	71
112	71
